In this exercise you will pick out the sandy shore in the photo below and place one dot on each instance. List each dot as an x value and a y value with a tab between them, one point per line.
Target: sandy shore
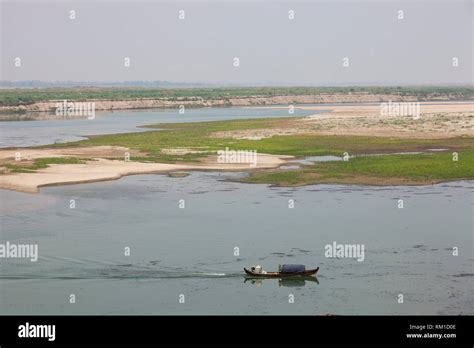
100	169
437	120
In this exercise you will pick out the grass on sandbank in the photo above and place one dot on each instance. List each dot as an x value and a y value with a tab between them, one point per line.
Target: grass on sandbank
417	168
41	163
199	136
407	169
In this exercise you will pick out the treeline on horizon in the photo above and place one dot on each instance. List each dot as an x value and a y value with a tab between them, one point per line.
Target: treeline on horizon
26	96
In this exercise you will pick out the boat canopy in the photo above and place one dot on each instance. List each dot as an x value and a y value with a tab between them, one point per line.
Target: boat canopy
292	268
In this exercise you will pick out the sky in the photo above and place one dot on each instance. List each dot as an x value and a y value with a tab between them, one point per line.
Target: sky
310	49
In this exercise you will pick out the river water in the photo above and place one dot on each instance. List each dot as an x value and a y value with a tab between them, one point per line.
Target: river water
191	253
57	129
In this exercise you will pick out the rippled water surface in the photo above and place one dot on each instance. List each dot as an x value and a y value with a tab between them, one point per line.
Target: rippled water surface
190	251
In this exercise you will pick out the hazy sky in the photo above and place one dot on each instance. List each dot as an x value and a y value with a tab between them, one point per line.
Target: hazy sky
309	49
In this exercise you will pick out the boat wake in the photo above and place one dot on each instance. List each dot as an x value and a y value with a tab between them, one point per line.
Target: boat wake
121	275
92	269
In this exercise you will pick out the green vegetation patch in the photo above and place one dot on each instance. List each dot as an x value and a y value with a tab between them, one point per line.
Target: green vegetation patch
194	136
413	168
199	136
41	163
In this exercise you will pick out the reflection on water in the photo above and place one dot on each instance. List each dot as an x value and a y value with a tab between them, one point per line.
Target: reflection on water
314	159
287	282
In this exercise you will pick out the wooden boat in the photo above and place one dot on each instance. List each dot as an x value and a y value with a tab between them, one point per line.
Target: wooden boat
306	273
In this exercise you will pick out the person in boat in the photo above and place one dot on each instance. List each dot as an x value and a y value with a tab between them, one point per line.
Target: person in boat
257	269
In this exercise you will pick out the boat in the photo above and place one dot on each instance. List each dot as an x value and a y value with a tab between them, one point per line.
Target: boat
305	273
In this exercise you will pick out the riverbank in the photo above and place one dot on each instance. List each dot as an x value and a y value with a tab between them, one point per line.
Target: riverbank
105	99
442	137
